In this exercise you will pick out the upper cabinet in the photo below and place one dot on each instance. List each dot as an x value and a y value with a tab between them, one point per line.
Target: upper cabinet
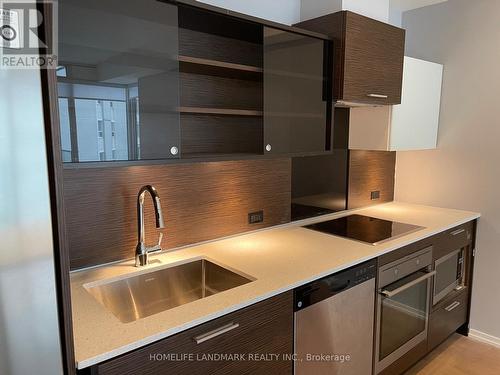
221	85
118	80
297	93
156	81
412	125
368	57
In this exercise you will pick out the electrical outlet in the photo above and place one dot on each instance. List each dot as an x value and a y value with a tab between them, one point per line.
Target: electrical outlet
375	195
256	217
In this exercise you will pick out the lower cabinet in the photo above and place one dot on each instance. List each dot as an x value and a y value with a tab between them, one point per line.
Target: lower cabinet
259	339
454	238
448	292
447	318
254	333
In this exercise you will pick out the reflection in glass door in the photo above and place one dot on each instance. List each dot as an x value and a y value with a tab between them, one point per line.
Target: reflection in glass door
118	80
93	129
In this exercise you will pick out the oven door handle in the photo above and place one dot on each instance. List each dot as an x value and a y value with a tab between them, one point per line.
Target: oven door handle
392	293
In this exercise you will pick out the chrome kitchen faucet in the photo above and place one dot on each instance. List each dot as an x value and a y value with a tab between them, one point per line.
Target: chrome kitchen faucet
142	251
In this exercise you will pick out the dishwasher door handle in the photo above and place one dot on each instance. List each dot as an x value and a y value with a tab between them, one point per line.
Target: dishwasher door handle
392	293
336	287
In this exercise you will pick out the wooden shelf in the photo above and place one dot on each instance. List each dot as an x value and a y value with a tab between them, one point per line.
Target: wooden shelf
219	64
220	111
199	65
245	112
296	115
294	75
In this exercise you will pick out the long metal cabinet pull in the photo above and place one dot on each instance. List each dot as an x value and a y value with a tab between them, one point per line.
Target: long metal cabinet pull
378	96
390	294
216	332
457	232
453	306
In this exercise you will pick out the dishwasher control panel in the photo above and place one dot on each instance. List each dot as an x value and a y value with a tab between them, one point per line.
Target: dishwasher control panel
331	285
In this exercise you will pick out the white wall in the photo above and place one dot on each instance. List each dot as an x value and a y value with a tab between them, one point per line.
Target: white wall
316	8
398	7
464	172
378	9
29	326
282	11
395	16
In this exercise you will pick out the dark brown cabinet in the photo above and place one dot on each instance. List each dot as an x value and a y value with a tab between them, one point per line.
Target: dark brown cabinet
368	57
297	94
118	81
221	90
451	313
454	238
164	81
253	332
453	251
448	316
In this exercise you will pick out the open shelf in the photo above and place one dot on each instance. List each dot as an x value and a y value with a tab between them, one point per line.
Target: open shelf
295	115
221	111
294	75
197	65
221	96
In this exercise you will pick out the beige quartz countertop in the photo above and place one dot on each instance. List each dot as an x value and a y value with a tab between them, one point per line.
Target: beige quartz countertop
280	258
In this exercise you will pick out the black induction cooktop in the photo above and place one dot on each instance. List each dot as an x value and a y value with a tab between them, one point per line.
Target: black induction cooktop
364	228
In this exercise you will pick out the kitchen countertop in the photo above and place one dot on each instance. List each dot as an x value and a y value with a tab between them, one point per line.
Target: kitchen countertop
279	258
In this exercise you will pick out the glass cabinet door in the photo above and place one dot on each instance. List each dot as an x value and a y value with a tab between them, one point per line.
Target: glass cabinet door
297	93
118	80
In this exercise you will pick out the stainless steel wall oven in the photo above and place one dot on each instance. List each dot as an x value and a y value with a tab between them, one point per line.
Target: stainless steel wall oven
403	302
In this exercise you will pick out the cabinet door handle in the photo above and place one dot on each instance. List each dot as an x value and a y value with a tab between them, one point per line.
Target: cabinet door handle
216	332
457	232
380	96
453	306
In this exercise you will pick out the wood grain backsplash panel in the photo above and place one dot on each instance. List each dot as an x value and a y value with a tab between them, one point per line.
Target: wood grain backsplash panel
370	171
221	134
199	90
200	201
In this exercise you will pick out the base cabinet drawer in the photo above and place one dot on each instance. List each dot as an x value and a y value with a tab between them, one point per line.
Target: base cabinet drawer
453	239
447	318
212	348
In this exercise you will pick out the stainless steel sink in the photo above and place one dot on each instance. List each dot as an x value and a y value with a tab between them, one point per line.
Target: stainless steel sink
143	295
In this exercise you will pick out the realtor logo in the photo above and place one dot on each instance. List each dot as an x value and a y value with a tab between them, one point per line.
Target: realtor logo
9	24
8	34
25	32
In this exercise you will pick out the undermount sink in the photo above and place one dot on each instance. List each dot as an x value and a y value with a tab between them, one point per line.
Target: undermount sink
139	296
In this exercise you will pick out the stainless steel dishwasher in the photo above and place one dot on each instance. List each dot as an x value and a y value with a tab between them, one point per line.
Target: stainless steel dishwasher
334	320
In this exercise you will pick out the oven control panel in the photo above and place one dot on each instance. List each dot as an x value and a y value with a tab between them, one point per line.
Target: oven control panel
405	266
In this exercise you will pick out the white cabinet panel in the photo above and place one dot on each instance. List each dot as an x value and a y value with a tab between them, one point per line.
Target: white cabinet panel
411	125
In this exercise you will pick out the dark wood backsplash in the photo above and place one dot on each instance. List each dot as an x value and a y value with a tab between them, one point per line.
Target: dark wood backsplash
200	201
370	171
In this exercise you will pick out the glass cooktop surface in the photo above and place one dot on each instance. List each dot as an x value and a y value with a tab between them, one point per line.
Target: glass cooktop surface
364	228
